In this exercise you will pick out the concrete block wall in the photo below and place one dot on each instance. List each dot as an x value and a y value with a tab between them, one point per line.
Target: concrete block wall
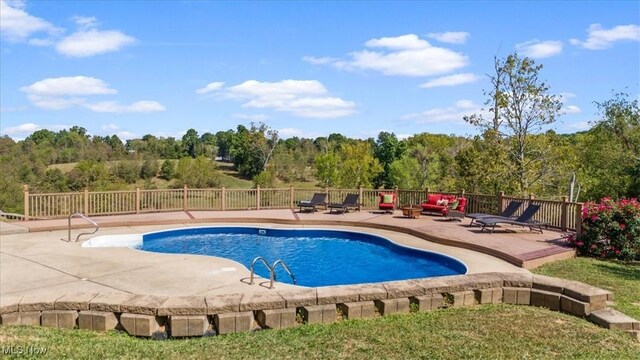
193	316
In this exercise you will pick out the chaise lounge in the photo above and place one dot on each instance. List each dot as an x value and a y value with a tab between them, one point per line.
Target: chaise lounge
318	199
350	201
508	212
525	219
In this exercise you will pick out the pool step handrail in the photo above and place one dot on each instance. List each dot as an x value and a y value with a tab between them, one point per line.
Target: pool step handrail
81	215
286	268
272	271
253	270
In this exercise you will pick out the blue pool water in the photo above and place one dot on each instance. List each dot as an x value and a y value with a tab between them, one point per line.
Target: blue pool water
315	257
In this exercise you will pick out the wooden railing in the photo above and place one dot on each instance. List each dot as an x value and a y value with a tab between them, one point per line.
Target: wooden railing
562	214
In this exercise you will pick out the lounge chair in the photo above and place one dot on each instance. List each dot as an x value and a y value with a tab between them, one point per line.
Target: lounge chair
526	219
508	212
387	202
350	201
318	199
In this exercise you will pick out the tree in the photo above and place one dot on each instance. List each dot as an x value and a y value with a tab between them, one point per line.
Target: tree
149	169
167	170
387	150
191	145
523	106
326	166
609	153
197	173
252	148
358	166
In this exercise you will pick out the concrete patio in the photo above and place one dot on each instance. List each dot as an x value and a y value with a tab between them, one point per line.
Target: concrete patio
35	257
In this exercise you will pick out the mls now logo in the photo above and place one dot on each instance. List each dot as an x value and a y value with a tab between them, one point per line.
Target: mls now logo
24	350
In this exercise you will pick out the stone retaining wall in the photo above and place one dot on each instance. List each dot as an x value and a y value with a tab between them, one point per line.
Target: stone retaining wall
189	316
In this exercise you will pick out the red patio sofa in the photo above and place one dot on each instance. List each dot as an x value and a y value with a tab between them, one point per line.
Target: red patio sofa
431	204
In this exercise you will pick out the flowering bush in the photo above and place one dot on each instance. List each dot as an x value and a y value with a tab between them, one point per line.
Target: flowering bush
610	229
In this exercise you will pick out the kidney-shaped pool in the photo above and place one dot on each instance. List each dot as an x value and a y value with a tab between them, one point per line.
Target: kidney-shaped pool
316	257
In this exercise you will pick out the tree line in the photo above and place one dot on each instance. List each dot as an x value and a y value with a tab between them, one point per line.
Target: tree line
514	152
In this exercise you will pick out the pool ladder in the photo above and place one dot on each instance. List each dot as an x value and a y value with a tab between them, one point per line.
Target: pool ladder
81	215
272	270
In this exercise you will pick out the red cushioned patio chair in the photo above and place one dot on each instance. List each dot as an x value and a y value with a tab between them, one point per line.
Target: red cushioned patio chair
387	202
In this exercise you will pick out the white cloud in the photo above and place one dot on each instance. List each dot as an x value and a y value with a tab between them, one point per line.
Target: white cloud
286	133
126	135
65	92
54	103
403	42
540	49
84	43
110	127
405	55
451	80
85	22
319	60
21	129
17	25
70	85
450	114
579	126
599	38
211	87
137	107
251	117
303	98
451	37
571	109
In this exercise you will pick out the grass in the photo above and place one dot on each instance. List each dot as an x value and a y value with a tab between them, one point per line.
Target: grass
484	332
621	278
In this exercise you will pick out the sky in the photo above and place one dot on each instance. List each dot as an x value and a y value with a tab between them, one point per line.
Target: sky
305	68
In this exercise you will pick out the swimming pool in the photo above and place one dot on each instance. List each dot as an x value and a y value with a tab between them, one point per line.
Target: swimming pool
317	257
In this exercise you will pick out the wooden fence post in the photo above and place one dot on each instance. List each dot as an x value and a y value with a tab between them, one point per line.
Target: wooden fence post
500	202
25	188
137	200
326	191
184	197
361	201
258	197
578	216
224	199
86	202
291	196
426	194
462	193
563	214
395	190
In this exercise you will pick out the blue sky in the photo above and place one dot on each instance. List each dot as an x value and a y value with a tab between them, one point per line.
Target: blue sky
304	68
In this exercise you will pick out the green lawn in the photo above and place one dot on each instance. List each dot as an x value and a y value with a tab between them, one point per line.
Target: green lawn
478	332
481	332
621	278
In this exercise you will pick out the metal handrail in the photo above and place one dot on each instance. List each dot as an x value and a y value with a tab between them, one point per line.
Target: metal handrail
81	215
253	268
286	268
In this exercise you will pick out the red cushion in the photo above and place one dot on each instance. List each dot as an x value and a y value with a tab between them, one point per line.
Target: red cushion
462	202
449	198
433	198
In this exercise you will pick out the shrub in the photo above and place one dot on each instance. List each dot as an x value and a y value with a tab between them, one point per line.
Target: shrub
610	229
